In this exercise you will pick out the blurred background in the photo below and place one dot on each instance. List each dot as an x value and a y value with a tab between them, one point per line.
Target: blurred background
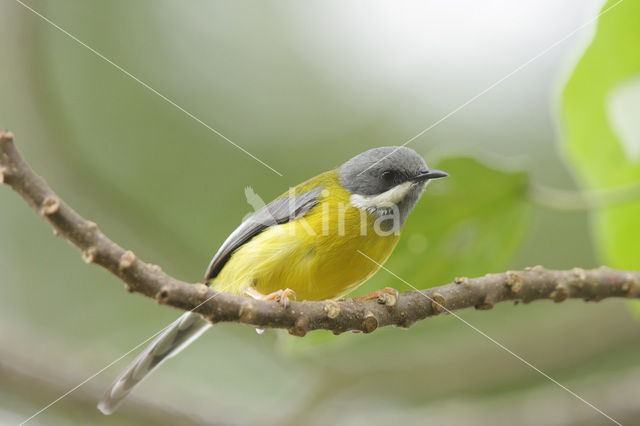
304	86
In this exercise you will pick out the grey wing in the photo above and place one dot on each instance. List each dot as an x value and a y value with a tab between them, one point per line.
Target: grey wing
190	325
279	211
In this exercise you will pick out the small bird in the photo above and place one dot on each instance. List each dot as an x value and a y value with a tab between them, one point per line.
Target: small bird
308	244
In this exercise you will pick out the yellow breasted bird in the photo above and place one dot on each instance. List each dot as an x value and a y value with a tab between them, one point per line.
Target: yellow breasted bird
305	243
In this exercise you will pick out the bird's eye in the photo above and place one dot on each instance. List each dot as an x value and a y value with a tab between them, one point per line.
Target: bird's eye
388	176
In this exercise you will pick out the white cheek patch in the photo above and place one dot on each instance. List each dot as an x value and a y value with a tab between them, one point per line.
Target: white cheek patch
381	201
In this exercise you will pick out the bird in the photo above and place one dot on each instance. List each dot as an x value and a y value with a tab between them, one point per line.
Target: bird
309	243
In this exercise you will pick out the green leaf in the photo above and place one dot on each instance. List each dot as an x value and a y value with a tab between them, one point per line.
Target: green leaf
600	107
468	224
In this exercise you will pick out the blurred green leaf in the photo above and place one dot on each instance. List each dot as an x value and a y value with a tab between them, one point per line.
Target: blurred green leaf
468	224
600	144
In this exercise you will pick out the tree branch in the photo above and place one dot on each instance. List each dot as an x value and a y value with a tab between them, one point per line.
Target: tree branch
300	317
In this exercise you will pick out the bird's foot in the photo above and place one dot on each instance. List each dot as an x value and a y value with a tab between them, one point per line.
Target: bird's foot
280	296
386	296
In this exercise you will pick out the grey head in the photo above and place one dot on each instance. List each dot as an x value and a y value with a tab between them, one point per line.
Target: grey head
389	175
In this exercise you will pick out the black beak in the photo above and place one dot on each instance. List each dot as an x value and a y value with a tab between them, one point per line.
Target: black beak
429	174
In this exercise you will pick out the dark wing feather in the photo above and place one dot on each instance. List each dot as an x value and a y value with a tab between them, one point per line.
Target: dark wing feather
279	211
189	326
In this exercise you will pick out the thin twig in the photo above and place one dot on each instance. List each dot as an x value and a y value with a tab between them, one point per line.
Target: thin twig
563	199
300	317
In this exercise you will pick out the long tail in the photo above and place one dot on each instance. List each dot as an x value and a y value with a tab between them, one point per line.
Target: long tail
176	337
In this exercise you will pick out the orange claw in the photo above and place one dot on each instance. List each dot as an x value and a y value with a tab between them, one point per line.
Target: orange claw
281	296
387	296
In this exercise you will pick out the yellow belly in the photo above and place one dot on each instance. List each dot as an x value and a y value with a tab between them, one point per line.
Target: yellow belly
316	256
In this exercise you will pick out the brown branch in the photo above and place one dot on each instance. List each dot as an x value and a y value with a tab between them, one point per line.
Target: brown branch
300	317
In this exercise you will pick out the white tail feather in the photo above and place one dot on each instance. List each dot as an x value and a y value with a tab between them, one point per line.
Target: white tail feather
171	341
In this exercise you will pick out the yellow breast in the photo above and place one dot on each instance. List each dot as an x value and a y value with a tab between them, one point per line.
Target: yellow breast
317	255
